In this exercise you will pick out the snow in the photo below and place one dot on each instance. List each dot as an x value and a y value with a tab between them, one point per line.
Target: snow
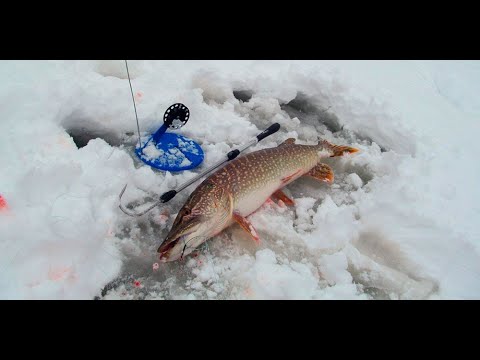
400	220
175	156
151	152
354	180
188	146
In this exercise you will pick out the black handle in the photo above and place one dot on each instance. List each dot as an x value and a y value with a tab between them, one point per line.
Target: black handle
267	132
168	196
233	154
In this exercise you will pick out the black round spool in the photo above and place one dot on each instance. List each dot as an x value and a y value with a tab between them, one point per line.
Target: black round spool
176	116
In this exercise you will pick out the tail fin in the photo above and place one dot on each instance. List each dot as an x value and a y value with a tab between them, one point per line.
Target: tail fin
336	150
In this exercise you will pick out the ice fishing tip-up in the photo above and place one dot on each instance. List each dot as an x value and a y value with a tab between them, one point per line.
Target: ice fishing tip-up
230	156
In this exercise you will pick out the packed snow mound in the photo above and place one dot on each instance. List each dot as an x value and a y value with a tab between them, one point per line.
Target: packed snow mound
400	220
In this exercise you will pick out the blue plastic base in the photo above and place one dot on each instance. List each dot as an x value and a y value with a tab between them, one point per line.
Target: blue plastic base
171	152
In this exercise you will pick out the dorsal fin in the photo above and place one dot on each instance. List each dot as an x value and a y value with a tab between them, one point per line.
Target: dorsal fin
289	141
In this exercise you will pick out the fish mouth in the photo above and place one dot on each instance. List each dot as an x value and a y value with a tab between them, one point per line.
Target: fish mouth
164	251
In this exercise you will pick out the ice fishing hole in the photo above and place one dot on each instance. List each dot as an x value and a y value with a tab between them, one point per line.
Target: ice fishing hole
81	136
243	95
309	111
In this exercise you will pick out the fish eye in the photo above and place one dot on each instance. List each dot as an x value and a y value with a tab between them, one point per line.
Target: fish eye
208	186
187	212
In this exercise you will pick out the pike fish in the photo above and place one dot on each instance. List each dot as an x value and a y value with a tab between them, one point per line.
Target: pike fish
242	186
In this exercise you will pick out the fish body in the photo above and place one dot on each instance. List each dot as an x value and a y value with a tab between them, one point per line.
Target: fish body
253	178
239	188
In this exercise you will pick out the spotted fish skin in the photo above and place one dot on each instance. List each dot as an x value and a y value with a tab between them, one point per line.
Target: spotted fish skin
254	177
239	188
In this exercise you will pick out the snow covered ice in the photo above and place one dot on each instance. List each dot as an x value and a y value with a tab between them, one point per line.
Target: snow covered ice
400	220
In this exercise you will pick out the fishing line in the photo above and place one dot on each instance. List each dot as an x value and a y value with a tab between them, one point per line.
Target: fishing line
134	106
186	243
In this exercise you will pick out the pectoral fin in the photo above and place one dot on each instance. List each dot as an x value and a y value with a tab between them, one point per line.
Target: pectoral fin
280	195
322	172
247	226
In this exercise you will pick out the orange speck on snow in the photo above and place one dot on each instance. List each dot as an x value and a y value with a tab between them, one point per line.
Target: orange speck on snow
3	203
165	212
59	273
162	217
248	292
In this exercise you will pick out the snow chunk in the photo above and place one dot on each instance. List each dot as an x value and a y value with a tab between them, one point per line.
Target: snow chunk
354	180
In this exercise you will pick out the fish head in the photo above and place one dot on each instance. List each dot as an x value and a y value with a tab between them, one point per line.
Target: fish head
204	215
